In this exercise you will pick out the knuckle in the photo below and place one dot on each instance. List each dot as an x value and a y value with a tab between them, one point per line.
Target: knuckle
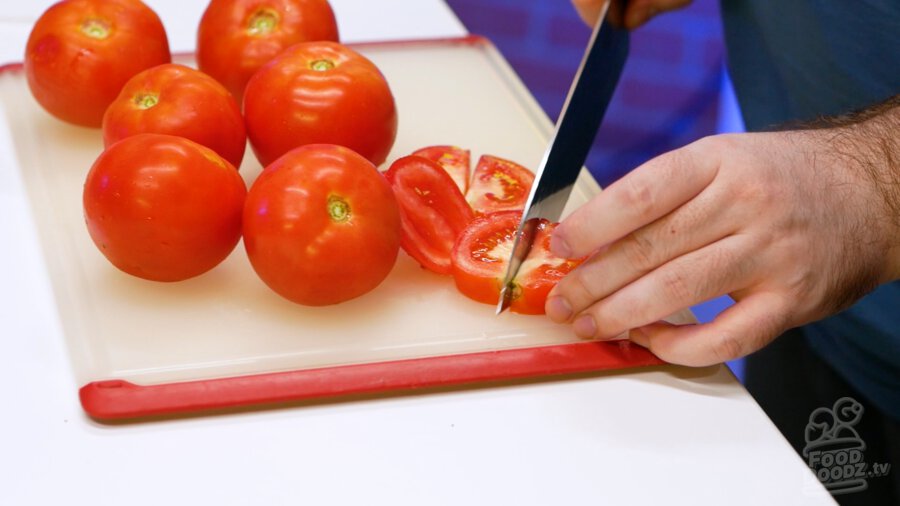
638	197
727	346
675	285
720	269
704	145
582	288
717	143
611	319
639	252
756	192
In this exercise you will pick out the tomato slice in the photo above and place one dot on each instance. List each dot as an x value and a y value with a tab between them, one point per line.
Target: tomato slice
499	185
482	252
454	160
433	212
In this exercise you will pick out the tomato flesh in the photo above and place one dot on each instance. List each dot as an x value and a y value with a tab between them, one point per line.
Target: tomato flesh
499	185
481	255
454	160
177	100
433	212
321	225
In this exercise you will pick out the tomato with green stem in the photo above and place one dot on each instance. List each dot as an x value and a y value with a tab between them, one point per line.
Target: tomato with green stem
177	100
81	52
237	37
320	93
321	225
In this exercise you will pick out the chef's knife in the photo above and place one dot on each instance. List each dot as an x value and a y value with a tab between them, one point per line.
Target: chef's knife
576	129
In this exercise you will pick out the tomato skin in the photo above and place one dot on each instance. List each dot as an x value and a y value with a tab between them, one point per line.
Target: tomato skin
237	37
433	212
163	208
74	75
454	160
177	100
481	256
499	185
347	102
321	225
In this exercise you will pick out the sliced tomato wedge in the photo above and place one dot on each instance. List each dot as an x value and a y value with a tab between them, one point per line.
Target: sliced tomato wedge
499	185
433	212
454	160
481	254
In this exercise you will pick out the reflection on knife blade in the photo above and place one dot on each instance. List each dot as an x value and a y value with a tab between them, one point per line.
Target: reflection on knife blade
585	105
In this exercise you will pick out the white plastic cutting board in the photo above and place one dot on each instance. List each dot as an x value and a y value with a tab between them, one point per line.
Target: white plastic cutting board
227	322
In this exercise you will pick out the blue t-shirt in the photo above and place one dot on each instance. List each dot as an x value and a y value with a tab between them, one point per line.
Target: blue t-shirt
794	60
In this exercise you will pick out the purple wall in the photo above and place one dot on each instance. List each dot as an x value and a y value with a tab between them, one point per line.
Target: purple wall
669	92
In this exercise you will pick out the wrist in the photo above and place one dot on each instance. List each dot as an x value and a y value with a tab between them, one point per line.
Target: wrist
867	143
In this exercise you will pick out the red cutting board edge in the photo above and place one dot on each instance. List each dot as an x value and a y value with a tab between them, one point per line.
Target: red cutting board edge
121	400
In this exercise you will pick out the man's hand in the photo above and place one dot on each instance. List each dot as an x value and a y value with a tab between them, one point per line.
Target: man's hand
793	225
637	12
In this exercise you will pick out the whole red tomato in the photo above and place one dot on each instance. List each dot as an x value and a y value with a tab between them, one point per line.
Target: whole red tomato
321	225
177	100
320	93
162	207
81	52
237	37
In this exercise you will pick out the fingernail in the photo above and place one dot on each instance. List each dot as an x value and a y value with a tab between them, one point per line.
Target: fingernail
585	326
559	247
558	309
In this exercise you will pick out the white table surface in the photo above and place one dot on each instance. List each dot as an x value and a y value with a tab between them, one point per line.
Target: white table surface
663	436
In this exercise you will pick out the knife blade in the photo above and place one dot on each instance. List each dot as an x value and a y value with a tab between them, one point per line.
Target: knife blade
586	103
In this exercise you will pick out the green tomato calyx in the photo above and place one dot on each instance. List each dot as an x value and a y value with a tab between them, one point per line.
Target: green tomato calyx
338	209
146	100
262	22
95	28
321	65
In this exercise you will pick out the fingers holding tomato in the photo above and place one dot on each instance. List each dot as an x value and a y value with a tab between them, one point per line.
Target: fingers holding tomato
163	208
320	92
81	52
321	225
237	37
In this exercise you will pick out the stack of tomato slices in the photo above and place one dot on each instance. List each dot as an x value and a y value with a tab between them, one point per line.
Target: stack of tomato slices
456	225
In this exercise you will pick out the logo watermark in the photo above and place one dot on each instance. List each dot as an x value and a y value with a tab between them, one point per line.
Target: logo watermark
834	450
